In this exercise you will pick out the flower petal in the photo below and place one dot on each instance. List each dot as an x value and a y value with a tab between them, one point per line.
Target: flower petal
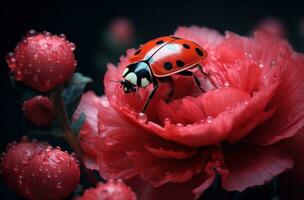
214	130
176	191
288	118
158	171
294	146
251	165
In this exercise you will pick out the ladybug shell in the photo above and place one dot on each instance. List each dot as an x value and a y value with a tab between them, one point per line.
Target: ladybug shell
169	55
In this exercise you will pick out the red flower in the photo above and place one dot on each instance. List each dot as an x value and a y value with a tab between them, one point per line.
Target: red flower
38	110
243	127
112	190
42	61
37	171
16	161
54	174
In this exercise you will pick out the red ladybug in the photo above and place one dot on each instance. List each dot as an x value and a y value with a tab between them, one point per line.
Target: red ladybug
157	60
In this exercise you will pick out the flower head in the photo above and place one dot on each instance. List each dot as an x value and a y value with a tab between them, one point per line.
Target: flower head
38	110
252	103
42	61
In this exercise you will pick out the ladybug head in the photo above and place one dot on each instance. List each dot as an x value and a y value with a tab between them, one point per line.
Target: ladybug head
127	86
136	75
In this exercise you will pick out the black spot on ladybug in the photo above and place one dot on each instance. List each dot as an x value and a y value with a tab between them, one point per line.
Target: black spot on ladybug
199	52
180	63
186	46
137	52
173	37
168	65
159	42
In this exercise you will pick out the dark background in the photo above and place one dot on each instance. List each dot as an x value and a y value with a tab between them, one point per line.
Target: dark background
84	22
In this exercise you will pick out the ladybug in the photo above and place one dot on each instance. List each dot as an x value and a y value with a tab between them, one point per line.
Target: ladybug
157	60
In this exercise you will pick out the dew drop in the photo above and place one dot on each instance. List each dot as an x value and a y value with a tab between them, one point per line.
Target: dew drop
24	139
16	169
35	57
18	76
261	65
72	46
142	117
226	84
167	121
46	33
31	33
75	63
209	119
59	185
62	36
51	68
179	125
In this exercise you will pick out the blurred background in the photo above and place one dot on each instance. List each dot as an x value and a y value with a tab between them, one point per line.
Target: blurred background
103	30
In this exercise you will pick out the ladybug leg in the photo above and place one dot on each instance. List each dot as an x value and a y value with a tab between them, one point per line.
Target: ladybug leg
170	94
155	86
189	73
200	68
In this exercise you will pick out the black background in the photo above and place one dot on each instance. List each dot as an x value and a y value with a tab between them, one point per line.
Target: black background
84	21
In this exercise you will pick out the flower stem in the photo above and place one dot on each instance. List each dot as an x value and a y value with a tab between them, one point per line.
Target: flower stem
62	117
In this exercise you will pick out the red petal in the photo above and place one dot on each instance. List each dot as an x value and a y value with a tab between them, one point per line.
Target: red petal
251	165
294	146
163	153
189	190
159	171
289	103
213	130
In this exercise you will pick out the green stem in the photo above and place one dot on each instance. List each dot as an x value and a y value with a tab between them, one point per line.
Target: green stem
61	116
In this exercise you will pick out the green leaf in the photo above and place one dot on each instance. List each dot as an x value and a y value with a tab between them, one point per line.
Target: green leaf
24	91
72	94
76	125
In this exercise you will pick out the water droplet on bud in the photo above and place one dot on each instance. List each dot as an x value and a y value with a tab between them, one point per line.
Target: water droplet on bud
62	36
31	33
72	46
59	185
46	33
18	76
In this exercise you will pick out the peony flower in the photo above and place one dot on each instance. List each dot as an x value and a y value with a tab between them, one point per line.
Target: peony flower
246	127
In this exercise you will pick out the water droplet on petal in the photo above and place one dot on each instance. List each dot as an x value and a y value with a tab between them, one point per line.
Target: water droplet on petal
36	78
167	121
226	84
209	119
142	117
179	125
35	56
